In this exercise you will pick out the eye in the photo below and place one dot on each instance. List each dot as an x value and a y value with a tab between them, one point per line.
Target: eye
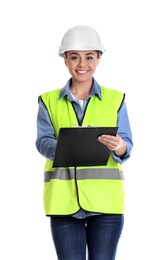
89	58
74	57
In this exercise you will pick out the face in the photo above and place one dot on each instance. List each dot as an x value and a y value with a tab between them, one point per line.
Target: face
81	64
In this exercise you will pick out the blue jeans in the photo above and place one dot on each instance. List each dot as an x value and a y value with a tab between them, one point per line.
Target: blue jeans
100	233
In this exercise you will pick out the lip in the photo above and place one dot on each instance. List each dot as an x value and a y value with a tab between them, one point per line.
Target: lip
82	71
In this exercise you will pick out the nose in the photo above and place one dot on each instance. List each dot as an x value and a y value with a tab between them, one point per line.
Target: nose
82	62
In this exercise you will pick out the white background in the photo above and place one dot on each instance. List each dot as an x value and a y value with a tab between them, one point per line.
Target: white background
135	36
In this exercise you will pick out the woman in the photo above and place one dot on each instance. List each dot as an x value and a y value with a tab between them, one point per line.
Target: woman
86	205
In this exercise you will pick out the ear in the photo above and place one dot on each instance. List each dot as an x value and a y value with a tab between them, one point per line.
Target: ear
65	61
98	60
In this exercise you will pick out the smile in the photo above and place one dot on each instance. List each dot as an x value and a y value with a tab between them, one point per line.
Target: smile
82	71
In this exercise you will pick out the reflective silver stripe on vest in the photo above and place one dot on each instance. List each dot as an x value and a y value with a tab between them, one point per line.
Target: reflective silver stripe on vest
83	174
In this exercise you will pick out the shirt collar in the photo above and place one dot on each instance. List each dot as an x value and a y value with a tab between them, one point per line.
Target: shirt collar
65	91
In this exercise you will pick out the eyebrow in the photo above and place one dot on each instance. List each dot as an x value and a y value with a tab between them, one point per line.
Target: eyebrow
90	53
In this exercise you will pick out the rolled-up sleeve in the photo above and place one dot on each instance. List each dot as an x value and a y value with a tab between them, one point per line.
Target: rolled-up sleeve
46	140
124	130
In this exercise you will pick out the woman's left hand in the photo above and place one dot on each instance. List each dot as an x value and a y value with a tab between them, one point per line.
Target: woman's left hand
114	143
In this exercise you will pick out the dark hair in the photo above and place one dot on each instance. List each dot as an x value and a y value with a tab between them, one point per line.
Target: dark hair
99	54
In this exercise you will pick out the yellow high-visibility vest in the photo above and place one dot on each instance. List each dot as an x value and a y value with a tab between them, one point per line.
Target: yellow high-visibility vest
95	188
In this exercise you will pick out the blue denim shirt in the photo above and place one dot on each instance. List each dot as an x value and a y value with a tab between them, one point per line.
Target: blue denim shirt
46	141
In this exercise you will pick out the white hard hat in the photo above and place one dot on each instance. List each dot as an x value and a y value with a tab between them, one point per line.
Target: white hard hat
80	38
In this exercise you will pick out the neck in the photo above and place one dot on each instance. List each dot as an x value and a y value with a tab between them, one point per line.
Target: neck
81	90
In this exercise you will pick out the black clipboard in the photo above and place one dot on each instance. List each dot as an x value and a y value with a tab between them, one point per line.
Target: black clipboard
78	146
